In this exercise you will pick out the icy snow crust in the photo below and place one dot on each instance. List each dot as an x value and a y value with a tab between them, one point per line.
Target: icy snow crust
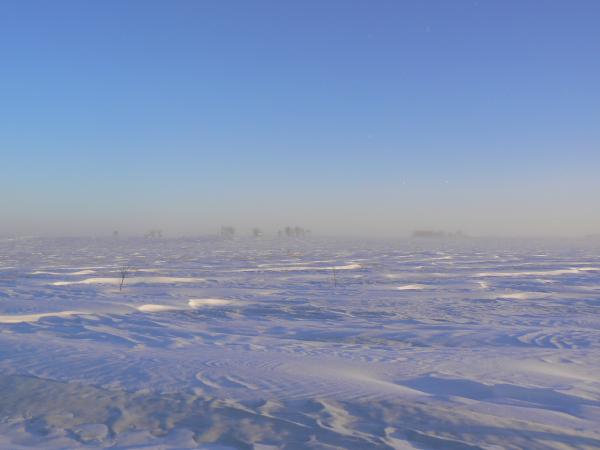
289	344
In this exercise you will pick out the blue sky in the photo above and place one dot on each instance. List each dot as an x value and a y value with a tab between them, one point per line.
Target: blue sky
353	117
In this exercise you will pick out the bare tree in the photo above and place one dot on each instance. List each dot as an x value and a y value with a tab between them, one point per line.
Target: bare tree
295	231
227	232
124	271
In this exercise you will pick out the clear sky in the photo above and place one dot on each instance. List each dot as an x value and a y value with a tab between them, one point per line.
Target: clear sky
350	117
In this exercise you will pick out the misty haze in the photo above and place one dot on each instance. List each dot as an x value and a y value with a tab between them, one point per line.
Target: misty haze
299	225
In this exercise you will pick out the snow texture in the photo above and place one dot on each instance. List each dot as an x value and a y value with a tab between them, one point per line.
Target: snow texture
323	344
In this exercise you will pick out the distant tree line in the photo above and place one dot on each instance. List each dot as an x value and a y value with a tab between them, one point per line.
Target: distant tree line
229	232
154	234
437	234
293	232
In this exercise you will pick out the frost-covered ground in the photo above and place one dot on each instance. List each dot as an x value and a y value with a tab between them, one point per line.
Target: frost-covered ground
288	344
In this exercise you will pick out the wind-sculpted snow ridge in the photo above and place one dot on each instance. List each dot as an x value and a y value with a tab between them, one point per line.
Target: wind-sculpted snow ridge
289	344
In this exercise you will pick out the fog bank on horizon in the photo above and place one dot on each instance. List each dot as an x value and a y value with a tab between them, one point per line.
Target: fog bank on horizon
359	212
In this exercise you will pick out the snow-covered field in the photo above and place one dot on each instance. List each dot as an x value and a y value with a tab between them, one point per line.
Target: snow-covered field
292	344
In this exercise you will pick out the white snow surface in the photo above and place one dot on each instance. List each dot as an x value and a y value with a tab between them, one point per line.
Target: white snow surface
289	344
